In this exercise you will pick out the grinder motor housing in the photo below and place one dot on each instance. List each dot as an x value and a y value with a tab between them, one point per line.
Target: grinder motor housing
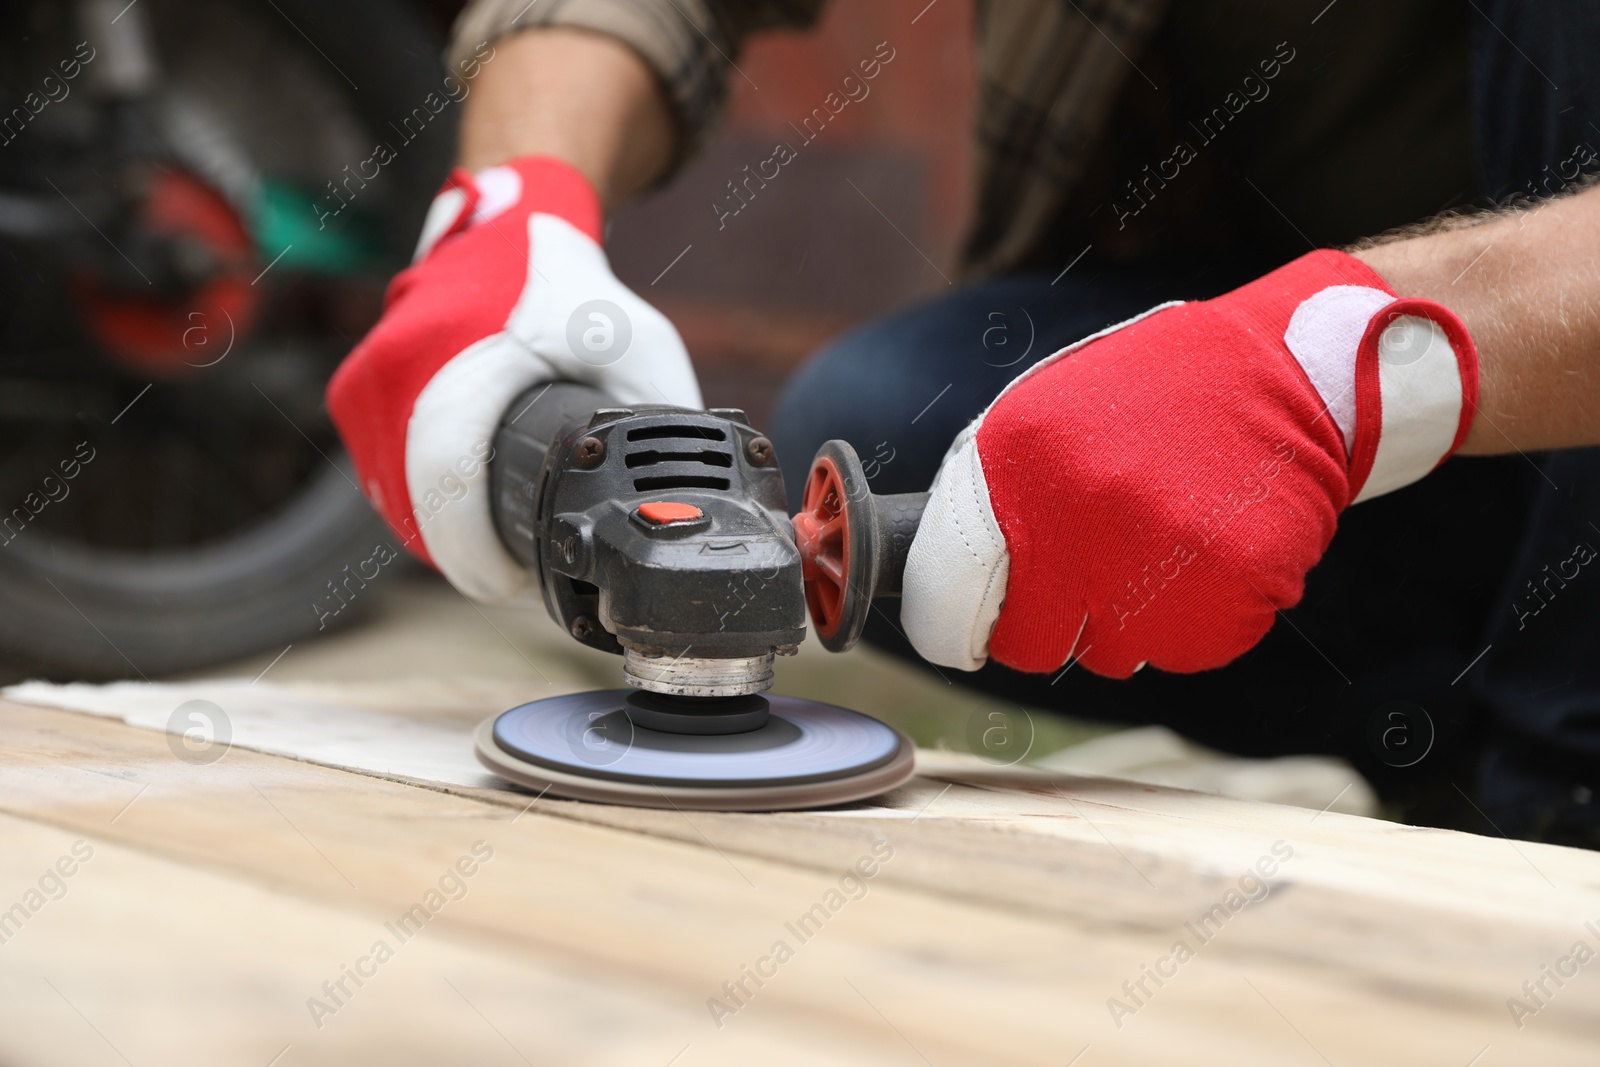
657	532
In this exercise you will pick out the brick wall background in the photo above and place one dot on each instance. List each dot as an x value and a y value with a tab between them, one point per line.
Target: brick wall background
841	233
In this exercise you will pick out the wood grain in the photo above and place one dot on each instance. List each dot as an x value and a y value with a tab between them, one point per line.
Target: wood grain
1014	906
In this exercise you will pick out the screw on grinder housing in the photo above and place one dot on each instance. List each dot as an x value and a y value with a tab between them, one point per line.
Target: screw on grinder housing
656	532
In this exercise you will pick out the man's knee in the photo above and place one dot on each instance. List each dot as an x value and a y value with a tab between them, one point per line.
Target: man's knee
900	388
863	388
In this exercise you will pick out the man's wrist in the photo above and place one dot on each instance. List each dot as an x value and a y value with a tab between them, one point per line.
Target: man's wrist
1447	265
571	95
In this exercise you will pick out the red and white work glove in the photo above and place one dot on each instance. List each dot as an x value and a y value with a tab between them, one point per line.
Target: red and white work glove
509	287
1156	492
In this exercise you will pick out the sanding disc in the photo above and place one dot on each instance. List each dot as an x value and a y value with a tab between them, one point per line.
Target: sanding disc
584	746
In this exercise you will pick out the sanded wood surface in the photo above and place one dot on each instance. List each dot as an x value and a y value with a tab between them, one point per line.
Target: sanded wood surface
1005	911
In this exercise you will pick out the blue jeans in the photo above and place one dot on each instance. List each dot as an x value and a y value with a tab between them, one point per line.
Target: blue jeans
1420	651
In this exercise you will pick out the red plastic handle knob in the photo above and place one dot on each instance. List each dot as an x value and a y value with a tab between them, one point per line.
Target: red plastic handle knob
852	544
822	533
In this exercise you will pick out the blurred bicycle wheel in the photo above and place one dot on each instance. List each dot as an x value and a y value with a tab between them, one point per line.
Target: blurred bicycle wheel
195	226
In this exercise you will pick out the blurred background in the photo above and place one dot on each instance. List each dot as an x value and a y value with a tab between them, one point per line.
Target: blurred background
864	220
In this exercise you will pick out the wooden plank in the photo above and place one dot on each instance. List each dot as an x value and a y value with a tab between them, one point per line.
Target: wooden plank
146	961
1011	911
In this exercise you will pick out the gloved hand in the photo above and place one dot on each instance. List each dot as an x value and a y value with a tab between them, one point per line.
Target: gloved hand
509	287
1156	492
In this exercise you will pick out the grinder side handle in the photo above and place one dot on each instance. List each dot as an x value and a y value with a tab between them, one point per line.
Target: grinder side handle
898	515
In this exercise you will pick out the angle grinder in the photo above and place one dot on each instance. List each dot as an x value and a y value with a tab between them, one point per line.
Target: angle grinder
659	533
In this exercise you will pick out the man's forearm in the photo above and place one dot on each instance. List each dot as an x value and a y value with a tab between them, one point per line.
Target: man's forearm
577	96
1527	285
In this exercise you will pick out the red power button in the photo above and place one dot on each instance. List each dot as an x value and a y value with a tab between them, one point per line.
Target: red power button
665	512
